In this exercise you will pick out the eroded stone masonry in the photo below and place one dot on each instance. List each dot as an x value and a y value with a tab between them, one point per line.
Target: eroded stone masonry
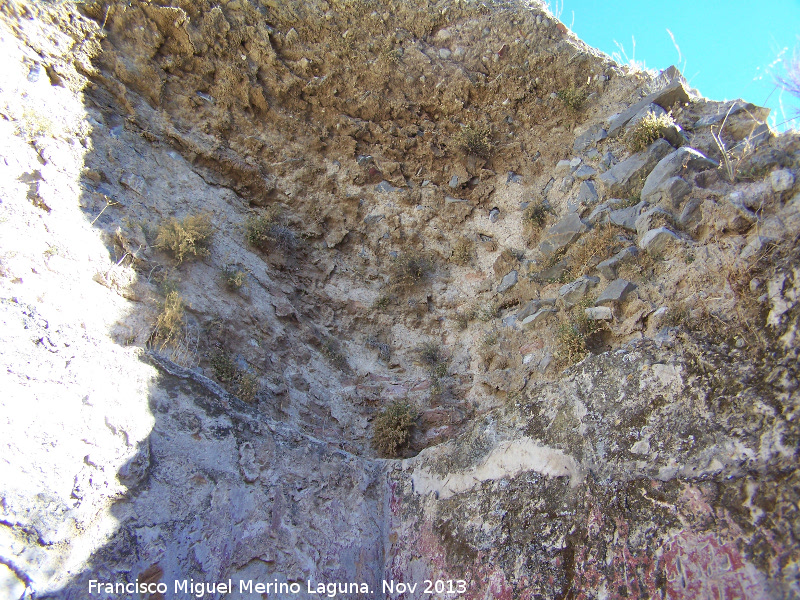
325	292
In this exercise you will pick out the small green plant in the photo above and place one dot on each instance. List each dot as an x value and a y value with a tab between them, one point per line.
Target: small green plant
169	325
391	429
234	277
535	214
648	129
186	239
247	387
628	202
572	97
475	140
462	251
390	54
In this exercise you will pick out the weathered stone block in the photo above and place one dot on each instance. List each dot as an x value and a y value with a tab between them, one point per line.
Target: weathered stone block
616	291
562	234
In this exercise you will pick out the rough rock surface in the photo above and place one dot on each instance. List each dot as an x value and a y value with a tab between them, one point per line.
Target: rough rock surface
628	176
233	233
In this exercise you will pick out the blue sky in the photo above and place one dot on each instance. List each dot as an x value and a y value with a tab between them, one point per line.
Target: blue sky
728	49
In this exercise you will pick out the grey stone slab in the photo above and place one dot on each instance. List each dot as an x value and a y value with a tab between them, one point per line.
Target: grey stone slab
665	98
598	313
386	187
616	291
608	268
591	136
587	193
509	281
781	180
571	293
133	182
657	241
626	217
646	220
562	234
584	172
625	177
679	162
537	317
534	305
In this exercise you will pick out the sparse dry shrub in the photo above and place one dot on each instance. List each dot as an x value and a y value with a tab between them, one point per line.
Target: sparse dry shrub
486	311
649	128
573	334
237	381
223	367
391	429
677	315
535	214
791	80
462	318
475	139
641	268
169	325
571	344
572	97
432	356
234	277
331	350
462	251
595	246
384	350
186	239
409	269
269	230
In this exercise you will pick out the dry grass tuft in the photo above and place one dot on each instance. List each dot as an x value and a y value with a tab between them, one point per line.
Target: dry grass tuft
535	214
410	269
572	97
187	239
462	251
475	140
234	277
269	230
169	325
237	381
433	357
594	247
331	350
650	128
391	429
